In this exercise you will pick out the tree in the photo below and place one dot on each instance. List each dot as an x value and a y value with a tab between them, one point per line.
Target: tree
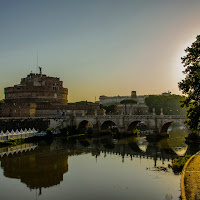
190	86
128	101
109	109
170	104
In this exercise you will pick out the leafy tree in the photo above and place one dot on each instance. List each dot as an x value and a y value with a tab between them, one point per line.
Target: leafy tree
170	104
80	103
190	86
128	101
109	109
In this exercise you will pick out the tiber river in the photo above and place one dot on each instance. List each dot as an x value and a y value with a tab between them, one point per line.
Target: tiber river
100	169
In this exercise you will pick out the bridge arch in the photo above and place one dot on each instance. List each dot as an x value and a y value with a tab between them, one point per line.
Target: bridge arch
85	124
137	123
166	125
109	125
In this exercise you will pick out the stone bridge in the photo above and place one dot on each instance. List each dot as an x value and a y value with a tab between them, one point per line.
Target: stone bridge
126	123
99	123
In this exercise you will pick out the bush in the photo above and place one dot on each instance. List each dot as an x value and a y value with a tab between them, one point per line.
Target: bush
49	133
178	163
193	136
69	130
136	132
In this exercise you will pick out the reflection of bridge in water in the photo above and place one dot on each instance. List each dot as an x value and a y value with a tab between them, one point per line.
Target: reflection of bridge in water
133	150
44	166
128	147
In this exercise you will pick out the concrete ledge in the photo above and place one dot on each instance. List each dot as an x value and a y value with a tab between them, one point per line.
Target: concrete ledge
183	194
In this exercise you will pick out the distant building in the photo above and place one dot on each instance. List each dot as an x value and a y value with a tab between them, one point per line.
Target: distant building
81	110
138	109
37	95
166	93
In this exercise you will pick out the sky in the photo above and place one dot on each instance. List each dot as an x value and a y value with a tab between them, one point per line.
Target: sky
98	47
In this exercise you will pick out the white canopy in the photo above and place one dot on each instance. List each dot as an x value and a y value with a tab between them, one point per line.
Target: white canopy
7	133
2	133
29	130
21	131
34	130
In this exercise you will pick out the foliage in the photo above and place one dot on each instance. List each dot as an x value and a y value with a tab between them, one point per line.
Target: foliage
193	137
128	101
109	109
136	131
80	103
190	86
170	104
178	163
49	133
69	130
12	142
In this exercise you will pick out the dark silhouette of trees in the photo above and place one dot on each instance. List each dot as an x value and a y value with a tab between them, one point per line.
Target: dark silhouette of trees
190	86
170	104
111	109
128	101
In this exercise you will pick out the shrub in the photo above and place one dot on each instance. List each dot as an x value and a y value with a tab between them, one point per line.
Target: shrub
136	132
178	163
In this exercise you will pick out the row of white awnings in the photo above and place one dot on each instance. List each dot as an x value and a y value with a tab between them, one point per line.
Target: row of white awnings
17	134
16	149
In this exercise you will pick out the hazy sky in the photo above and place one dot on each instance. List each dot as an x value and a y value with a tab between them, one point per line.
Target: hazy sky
98	47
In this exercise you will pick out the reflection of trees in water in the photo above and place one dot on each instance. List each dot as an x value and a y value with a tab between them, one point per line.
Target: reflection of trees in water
176	140
130	146
45	166
193	148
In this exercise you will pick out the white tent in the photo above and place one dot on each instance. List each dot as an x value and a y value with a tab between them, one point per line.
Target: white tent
26	134
11	134
30	132
22	133
17	134
34	132
2	135
7	135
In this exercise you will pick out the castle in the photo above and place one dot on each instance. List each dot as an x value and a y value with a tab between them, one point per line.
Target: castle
37	95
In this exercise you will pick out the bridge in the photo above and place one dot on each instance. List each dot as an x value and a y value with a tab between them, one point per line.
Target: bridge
127	123
98	123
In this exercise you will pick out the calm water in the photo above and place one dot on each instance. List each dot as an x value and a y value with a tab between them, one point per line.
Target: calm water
103	168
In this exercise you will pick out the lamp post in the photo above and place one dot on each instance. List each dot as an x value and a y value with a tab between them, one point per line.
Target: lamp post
198	128
19	111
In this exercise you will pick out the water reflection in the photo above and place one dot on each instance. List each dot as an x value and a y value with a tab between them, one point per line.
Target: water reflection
42	168
45	166
176	139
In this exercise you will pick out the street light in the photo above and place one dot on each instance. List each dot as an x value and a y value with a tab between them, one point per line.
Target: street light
198	128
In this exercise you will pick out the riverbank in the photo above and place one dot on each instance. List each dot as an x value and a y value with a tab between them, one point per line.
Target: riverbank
190	179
